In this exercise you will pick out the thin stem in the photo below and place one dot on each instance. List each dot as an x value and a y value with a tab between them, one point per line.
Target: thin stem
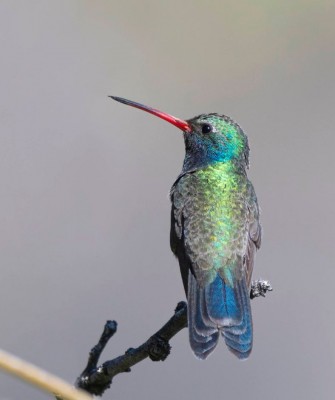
40	378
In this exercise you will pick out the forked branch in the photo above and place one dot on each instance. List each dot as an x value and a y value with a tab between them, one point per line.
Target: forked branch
96	379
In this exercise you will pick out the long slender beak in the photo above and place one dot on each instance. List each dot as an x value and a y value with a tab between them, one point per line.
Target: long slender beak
179	123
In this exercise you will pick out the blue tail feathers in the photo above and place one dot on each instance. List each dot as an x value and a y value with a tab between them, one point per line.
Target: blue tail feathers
217	309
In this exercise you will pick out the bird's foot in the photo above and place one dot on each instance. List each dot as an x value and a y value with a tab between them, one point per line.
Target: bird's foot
259	288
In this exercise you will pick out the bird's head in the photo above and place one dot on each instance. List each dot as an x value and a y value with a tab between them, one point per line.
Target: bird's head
209	138
215	138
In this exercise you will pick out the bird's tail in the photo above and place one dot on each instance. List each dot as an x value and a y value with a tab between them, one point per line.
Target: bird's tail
218	309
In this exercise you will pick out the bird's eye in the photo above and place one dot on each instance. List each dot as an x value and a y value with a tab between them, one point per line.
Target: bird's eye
206	128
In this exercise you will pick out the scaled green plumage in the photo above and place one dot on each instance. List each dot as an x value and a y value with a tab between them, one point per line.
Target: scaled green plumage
216	203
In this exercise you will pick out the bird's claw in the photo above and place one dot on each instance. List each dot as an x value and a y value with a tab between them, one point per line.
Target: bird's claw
259	288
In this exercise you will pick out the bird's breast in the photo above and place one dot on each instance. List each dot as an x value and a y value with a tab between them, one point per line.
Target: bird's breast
213	203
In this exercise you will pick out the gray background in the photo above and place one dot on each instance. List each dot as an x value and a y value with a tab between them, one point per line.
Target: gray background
84	184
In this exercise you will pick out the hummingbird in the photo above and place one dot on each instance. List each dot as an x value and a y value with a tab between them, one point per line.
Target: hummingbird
215	230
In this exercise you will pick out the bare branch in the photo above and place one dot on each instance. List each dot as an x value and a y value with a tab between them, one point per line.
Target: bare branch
96	379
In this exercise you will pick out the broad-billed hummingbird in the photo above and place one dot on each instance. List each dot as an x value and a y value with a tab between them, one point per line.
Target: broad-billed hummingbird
215	230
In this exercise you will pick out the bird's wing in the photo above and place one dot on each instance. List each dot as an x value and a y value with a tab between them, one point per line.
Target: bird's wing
177	241
254	235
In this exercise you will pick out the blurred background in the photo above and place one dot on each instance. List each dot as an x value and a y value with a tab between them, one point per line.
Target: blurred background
84	185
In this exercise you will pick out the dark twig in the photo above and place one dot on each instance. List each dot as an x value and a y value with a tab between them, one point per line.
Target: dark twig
110	329
95	380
